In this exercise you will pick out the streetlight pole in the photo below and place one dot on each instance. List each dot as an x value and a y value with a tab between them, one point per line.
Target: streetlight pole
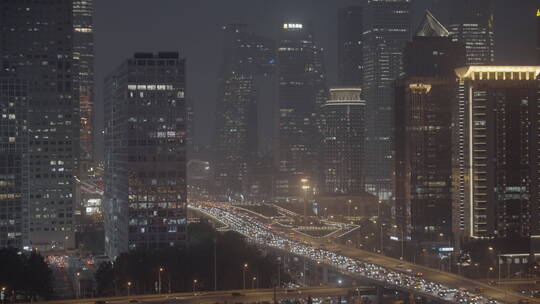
78	285
128	287
244	275
215	265
349	209
253	282
159	279
194	285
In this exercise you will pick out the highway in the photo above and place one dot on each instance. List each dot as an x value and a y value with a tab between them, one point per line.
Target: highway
435	284
232	296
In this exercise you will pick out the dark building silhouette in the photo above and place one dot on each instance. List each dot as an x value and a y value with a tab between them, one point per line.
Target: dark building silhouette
424	100
145	167
538	36
350	53
387	29
496	156
302	92
343	141
472	24
37	46
247	69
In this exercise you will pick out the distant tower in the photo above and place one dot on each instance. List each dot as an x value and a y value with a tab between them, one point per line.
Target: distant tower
343	141
247	69
83	57
422	132
350	37
145	169
302	92
538	36
472	24
387	30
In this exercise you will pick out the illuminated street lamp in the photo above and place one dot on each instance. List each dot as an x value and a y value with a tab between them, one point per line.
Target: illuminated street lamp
78	284
194	285
161	269
128	287
244	275
253	280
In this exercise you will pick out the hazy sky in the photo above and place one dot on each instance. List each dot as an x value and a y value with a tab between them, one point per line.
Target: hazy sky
192	27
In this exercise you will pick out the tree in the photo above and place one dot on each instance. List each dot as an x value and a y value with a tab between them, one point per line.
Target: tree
105	279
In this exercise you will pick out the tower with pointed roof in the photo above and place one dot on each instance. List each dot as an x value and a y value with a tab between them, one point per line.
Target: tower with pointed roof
422	133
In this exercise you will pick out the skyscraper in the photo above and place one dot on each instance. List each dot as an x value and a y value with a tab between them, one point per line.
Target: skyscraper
496	154
247	67
386	32
538	36
37	46
423	138
83	56
13	162
472	24
302	92
343	141
350	53
145	175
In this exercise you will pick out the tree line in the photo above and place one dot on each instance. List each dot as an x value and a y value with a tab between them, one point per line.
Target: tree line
25	275
192	267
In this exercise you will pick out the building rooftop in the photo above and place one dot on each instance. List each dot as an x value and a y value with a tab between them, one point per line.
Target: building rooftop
431	27
498	72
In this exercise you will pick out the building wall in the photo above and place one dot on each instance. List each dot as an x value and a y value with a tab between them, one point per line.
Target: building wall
343	142
350	46
13	162
387	29
36	45
145	192
498	185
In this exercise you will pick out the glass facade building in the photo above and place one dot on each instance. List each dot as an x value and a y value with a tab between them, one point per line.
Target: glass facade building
387	29
496	151
37	46
423	137
247	68
350	47
145	167
343	142
301	94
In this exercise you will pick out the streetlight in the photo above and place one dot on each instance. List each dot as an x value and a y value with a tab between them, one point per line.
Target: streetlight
489	271
349	208
244	275
402	241
305	187
253	282
78	284
128	287
161	269
194	285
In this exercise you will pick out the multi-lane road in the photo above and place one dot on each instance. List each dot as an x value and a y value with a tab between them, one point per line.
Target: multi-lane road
435	284
231	296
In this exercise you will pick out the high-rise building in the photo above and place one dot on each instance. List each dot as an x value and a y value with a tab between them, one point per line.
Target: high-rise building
13	162
387	29
343	141
37	46
248	65
350	48
471	23
423	139
496	155
145	166
83	56
302	92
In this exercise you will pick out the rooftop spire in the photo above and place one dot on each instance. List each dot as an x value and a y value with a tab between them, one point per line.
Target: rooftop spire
431	27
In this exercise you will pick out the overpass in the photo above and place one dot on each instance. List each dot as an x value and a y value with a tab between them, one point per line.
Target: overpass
378	269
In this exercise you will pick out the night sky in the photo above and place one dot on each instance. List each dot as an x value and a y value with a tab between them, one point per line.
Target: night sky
193	27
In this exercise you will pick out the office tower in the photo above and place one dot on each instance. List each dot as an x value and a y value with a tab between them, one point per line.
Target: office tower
350	53
472	24
387	29
496	151
13	162
301	95
248	64
145	166
83	57
36	45
423	138
343	141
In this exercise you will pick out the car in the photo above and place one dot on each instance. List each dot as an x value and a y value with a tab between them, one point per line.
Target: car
236	294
